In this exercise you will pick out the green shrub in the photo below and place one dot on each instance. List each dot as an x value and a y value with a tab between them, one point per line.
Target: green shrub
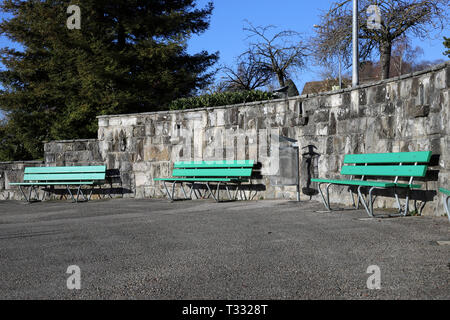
220	99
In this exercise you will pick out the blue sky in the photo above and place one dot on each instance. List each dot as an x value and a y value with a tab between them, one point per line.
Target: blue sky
227	36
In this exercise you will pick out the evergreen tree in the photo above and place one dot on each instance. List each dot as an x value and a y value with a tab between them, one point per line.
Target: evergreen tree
128	56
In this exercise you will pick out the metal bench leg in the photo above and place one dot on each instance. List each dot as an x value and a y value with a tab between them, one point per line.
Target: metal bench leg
184	192
192	190
70	192
228	191
367	203
167	191
211	193
243	193
207	195
78	193
363	201
44	196
173	188
218	192
398	202
236	192
36	193
92	190
80	190
447	206
250	197
200	195
355	203
371	202
326	201
239	191
29	195
23	193
405	211
406	204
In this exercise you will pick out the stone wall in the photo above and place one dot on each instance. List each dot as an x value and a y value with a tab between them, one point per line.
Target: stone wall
13	172
407	113
81	152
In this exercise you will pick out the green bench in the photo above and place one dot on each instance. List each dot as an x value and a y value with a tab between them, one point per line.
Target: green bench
446	201
404	165
223	172
78	176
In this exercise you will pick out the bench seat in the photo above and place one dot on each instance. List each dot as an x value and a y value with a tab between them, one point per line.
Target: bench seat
205	172
57	183
78	176
397	165
201	179
368	183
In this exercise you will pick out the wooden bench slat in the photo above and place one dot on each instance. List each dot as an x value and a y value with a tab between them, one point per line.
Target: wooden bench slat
397	157
443	190
63	176
215	164
201	179
73	169
368	183
391	171
356	182
52	183
232	172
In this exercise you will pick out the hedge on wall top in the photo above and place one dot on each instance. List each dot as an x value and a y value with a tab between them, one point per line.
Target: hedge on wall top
220	99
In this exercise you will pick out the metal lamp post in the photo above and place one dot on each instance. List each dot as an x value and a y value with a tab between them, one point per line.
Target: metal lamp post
355	77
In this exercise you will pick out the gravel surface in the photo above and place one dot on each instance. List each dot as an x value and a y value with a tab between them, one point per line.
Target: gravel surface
153	249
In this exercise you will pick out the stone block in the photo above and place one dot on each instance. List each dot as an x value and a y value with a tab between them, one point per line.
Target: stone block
156	153
322	115
441	80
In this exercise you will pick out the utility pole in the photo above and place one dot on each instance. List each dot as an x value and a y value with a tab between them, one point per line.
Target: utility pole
340	71
355	77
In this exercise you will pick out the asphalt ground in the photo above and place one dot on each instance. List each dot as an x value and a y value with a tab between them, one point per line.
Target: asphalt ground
154	249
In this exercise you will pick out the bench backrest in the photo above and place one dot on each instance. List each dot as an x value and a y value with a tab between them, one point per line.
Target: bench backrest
222	168
399	164
74	173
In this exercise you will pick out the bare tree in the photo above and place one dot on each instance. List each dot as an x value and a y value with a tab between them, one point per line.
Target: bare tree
399	18
249	73
404	56
282	53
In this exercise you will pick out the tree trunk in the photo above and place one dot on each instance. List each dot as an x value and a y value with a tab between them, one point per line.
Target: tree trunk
281	79
385	59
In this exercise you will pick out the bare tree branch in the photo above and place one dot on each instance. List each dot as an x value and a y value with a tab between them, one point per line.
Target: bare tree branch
281	53
399	18
248	75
